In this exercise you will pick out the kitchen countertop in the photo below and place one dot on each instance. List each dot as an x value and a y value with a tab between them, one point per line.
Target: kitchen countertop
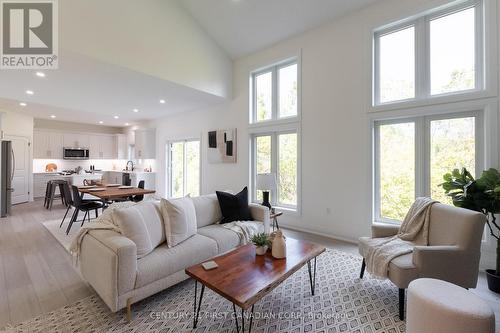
56	173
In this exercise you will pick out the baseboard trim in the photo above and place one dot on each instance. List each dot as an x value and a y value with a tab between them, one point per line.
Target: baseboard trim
317	233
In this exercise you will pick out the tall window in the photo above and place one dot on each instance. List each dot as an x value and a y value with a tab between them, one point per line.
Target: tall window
278	153
184	168
443	48
274	144
275	92
412	155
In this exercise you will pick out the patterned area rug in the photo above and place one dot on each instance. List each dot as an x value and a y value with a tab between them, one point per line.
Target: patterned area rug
343	303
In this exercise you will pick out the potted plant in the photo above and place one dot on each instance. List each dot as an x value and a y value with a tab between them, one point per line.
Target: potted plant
482	195
261	241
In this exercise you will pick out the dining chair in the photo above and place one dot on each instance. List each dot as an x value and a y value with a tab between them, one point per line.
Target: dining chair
139	197
82	205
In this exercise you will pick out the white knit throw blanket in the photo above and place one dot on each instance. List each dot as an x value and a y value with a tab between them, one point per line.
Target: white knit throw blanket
245	230
103	222
378	252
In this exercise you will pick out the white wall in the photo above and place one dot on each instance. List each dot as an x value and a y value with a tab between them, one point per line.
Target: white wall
76	127
336	136
160	39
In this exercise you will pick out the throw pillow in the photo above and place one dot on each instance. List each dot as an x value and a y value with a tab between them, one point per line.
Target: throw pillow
142	224
234	207
179	217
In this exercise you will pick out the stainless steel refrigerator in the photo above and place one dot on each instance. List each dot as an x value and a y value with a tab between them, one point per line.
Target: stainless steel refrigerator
7	174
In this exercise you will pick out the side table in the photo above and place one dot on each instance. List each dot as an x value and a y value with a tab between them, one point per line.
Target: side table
274	217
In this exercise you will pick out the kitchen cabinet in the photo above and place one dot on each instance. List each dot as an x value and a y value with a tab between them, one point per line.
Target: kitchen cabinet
145	144
102	147
76	140
112	177
40	183
47	145
122	147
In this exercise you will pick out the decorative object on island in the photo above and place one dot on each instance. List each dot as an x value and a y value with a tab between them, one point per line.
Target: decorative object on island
266	182
279	245
482	195
222	146
51	167
261	241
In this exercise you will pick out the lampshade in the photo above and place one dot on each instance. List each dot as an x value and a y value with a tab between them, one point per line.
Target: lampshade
266	181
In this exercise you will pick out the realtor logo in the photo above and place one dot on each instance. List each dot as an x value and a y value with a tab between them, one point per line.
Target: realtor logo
29	34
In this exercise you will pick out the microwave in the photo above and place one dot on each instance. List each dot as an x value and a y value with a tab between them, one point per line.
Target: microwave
75	153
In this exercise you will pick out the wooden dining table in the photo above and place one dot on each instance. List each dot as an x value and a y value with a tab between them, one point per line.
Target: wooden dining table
113	192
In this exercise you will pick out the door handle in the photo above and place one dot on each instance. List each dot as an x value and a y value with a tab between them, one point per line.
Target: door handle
13	165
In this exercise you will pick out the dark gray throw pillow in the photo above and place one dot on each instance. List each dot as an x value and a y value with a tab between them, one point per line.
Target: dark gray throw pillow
234	207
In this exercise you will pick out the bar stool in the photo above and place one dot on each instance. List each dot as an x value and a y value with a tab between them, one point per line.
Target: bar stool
50	192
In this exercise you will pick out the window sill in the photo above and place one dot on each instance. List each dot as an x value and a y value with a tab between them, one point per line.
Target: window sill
387	221
435	100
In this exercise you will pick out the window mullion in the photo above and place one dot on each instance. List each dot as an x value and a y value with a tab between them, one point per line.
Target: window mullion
422	59
274	112
274	167
422	157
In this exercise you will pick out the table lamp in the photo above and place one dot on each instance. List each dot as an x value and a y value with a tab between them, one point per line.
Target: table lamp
266	182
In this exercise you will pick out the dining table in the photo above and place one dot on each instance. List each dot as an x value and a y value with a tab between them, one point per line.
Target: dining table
112	191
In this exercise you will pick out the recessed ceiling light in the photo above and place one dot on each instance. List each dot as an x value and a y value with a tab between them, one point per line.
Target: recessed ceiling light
126	124
40	74
135	110
29	92
101	122
116	117
22	104
52	116
162	101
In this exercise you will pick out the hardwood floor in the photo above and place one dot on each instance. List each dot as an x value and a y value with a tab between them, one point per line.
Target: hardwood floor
37	276
36	273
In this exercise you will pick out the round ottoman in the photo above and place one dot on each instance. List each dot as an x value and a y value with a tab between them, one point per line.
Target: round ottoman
441	307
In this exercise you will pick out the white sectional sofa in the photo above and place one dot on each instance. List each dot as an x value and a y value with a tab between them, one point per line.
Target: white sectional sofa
109	263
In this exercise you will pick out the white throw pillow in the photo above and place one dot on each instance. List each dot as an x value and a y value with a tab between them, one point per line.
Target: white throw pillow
179	217
207	210
143	224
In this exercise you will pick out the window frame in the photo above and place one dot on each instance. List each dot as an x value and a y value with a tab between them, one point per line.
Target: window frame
274	134
274	70
422	54
422	153
184	166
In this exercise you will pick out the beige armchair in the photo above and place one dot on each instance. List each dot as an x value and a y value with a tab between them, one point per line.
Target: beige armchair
452	255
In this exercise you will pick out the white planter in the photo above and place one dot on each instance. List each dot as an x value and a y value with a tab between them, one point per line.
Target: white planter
261	250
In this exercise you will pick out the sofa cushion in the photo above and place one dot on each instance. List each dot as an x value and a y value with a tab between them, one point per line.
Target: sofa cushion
179	217
402	270
226	239
142	224
207	210
165	261
234	207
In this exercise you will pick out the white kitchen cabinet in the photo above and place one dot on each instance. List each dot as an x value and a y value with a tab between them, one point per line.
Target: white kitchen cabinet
121	147
76	140
102	147
112	177
40	183
145	144
47	145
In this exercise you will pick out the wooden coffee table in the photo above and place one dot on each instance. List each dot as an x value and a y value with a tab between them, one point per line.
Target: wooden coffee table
244	278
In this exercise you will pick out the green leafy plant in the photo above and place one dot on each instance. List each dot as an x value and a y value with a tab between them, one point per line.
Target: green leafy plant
261	239
482	195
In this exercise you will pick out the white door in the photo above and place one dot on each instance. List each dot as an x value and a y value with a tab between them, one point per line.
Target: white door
20	182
